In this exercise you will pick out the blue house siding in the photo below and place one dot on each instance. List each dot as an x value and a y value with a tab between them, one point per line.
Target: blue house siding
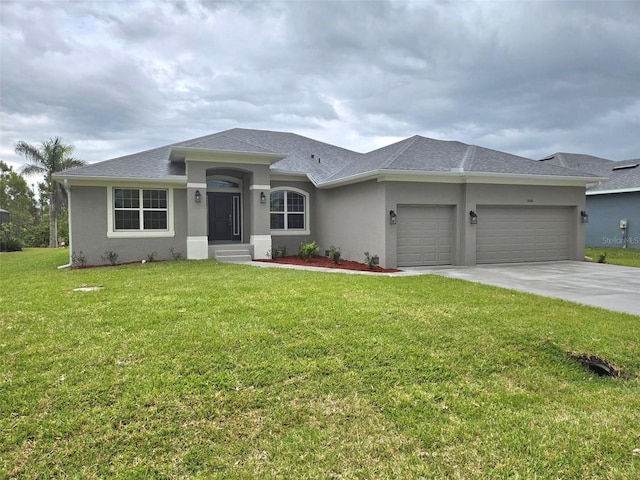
605	212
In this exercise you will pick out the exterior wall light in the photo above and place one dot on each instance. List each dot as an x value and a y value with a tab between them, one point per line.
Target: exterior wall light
263	198
584	217
473	217
198	196
393	217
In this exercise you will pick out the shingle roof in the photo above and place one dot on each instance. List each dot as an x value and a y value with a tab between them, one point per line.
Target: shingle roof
323	162
624	175
152	164
420	154
304	155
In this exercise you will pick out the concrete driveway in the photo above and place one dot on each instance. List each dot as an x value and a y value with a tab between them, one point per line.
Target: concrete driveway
607	286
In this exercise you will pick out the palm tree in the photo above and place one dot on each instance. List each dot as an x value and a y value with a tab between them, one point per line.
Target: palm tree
51	157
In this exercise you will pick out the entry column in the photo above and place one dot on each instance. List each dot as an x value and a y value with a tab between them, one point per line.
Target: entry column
197	240
260	224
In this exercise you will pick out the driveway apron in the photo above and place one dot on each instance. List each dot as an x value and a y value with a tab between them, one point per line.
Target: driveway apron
612	287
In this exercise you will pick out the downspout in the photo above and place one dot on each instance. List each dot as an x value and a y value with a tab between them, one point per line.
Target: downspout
66	186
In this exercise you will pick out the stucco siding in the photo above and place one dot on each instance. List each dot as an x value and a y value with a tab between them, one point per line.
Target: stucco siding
353	218
605	212
89	229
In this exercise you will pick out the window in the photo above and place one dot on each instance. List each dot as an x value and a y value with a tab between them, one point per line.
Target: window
140	209
221	183
289	211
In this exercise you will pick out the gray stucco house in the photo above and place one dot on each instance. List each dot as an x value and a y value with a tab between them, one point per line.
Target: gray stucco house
613	203
239	192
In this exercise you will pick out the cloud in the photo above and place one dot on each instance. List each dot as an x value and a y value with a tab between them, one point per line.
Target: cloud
117	77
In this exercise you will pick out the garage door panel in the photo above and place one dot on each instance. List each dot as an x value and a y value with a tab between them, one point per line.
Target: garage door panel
424	235
522	234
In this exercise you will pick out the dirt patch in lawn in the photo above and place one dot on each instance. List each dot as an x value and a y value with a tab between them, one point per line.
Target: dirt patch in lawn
326	262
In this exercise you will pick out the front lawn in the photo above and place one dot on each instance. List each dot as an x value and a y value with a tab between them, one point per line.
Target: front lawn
629	257
200	369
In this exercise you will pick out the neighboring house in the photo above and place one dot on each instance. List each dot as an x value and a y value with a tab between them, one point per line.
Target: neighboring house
5	216
612	203
241	192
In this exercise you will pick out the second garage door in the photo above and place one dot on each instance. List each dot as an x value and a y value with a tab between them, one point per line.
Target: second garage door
523	234
424	235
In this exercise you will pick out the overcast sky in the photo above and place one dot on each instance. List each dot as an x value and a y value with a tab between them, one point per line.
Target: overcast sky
117	77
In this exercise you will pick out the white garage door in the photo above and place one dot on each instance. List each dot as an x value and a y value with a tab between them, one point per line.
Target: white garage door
523	234
424	235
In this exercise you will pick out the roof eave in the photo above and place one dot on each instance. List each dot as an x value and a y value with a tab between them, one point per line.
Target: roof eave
460	176
179	154
106	179
291	174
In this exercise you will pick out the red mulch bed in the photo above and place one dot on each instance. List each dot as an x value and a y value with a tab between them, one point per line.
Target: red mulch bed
326	262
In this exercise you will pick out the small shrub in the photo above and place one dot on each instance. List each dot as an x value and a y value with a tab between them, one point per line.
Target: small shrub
110	256
175	255
334	254
151	256
11	245
602	258
307	250
371	260
78	259
278	251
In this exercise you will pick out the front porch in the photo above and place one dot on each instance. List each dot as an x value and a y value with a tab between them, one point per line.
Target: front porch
228	215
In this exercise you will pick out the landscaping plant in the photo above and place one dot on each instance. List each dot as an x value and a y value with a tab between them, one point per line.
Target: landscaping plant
308	250
335	254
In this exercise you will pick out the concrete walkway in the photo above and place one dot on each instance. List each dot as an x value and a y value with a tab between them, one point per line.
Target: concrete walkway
607	286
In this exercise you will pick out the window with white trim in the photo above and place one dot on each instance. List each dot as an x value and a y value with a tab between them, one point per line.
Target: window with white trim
140	209
288	210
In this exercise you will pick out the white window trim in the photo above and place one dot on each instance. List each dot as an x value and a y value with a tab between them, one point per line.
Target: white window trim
307	213
112	233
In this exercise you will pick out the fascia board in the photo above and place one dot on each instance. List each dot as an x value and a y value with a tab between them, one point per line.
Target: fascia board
77	180
529	179
214	156
619	190
458	176
361	177
281	175
288	175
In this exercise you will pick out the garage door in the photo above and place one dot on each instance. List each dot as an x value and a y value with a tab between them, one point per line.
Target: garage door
424	235
523	234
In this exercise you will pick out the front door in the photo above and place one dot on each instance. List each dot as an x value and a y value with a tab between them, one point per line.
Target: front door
224	216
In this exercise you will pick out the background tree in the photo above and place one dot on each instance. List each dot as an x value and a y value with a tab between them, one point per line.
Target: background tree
18	199
48	158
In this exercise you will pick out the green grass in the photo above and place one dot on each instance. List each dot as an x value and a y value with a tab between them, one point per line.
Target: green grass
629	257
196	369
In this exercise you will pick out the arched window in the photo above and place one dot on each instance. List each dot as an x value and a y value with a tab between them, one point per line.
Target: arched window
289	211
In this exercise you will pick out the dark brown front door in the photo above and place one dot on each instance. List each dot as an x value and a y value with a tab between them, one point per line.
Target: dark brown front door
224	216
